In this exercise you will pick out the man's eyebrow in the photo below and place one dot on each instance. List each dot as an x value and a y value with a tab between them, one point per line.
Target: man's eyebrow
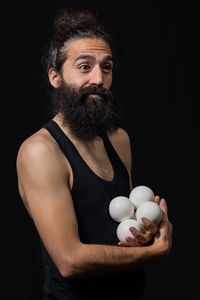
88	57
92	58
107	58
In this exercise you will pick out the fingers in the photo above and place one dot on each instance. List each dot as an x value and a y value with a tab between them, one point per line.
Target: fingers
164	209
133	242
161	203
121	244
157	199
149	226
129	243
141	237
150	229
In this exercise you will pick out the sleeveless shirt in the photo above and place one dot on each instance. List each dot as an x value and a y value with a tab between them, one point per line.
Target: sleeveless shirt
91	196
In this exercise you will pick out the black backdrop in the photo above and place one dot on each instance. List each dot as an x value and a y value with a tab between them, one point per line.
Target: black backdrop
157	43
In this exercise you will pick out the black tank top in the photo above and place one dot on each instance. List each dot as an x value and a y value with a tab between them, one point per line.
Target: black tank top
91	197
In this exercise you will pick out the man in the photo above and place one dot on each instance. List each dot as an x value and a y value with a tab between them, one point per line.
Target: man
70	170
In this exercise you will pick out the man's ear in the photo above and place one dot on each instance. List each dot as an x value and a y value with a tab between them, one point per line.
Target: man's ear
54	77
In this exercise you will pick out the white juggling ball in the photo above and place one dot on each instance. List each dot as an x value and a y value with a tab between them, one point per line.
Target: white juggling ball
121	208
140	194
123	229
149	210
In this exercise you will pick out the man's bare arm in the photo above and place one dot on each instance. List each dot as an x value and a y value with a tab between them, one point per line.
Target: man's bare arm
43	174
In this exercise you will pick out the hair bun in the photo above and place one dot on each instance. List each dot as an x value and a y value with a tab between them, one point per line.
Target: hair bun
70	20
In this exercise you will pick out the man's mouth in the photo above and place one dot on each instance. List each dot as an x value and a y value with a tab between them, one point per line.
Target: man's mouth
94	95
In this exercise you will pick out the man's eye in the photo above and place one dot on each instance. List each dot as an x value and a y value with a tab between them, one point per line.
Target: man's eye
107	68
84	67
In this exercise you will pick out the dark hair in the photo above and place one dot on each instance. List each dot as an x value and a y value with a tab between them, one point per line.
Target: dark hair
71	24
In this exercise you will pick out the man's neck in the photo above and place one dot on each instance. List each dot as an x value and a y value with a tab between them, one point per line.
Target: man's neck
89	146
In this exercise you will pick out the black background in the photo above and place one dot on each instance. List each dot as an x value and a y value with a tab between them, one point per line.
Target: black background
157	83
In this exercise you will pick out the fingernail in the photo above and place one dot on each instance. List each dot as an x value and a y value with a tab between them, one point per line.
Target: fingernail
162	201
144	220
128	239
132	229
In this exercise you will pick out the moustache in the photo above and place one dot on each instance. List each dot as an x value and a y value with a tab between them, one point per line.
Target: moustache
105	94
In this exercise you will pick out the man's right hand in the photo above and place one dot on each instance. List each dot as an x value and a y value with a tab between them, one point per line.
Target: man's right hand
161	235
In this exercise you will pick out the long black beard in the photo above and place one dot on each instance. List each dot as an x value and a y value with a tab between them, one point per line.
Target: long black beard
88	117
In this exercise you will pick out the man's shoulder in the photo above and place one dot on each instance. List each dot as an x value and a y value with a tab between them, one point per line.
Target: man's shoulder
121	142
120	137
40	157
37	145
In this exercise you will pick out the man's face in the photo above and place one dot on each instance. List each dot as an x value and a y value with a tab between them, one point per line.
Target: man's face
89	62
83	95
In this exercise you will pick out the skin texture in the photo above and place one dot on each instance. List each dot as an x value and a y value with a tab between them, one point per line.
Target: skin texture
45	179
96	69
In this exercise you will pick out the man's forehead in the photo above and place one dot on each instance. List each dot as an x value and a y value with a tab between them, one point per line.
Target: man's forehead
88	47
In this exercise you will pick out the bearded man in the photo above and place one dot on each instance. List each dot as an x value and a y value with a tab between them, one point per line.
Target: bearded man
70	170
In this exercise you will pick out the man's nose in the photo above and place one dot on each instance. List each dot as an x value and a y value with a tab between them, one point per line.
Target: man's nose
96	76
